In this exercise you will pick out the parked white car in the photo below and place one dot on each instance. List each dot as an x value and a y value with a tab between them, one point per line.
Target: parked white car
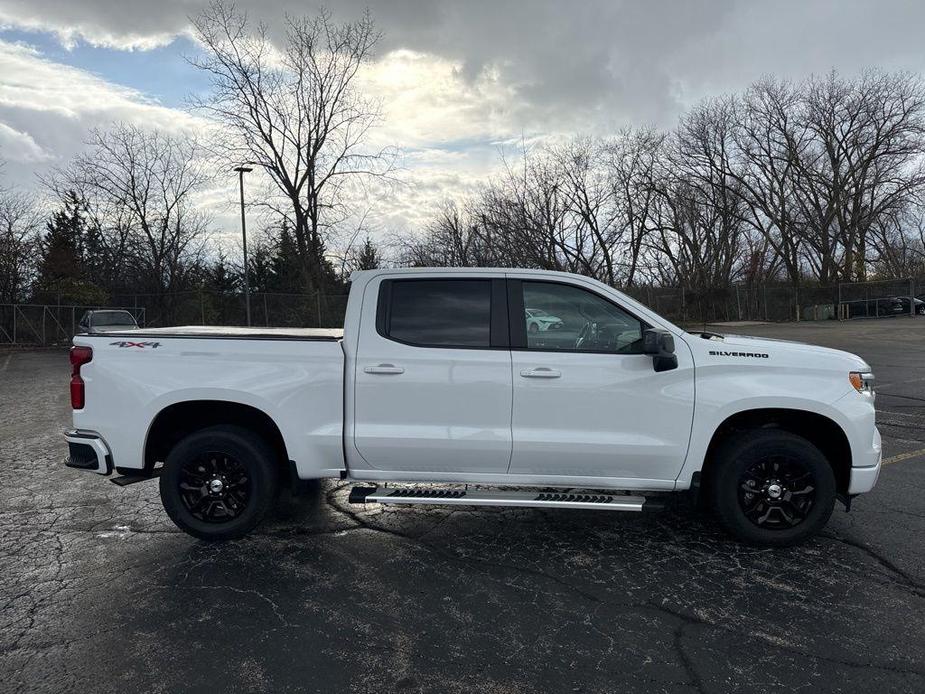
107	320
435	380
537	320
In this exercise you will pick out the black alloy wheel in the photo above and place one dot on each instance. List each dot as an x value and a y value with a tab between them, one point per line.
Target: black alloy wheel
771	487
214	488
219	482
777	492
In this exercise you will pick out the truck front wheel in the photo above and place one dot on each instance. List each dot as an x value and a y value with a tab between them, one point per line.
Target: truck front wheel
771	487
219	482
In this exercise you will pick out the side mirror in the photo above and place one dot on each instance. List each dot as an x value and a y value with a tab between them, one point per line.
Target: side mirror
660	344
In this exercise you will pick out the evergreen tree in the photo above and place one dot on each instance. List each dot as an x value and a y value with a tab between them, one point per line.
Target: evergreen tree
260	266
286	271
62	269
369	258
223	284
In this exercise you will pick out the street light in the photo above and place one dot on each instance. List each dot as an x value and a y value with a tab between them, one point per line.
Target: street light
247	283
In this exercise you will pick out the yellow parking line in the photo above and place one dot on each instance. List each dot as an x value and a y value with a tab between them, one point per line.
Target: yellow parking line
903	456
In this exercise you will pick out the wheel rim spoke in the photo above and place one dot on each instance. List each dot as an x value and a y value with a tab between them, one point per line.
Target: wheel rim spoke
776	492
215	487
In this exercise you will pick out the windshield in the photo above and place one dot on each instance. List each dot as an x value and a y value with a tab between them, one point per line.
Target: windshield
534	312
104	318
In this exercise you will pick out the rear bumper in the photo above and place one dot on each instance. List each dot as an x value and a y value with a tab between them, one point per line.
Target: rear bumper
88	451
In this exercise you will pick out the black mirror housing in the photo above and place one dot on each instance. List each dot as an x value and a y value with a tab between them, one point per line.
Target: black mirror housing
657	341
660	344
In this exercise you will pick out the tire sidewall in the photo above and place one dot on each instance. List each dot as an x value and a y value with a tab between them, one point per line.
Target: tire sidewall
250	451
749	447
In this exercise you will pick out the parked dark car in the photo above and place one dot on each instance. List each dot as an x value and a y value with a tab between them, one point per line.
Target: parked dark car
107	320
919	305
884	306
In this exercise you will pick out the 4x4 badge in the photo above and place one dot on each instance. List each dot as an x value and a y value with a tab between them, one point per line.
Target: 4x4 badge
140	345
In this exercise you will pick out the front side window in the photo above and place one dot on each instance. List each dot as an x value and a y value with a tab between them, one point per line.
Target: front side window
561	317
440	313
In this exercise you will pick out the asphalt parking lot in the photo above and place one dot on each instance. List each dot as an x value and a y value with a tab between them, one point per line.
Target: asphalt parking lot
101	593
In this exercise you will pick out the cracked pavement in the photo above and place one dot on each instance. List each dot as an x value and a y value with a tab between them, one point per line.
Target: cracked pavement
101	593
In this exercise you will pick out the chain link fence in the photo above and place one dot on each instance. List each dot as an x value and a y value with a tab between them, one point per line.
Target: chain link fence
779	302
209	307
47	324
35	324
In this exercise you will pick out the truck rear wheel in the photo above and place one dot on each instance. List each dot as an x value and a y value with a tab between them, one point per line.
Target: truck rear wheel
219	482
771	487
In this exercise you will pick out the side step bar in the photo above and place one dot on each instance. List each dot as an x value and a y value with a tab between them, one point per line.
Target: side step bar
460	497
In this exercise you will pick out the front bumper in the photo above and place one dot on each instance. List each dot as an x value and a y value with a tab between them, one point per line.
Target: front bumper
88	451
863	478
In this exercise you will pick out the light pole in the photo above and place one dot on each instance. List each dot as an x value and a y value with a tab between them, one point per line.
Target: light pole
247	282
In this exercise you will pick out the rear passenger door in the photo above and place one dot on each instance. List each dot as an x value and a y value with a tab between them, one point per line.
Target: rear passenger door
433	380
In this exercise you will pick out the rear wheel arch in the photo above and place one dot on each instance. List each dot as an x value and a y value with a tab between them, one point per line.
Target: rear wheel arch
821	431
178	420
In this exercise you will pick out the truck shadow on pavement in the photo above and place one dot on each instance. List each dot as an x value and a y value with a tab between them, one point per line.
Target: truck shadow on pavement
432	599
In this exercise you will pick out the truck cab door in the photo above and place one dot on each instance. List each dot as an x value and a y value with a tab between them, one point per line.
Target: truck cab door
587	401
432	381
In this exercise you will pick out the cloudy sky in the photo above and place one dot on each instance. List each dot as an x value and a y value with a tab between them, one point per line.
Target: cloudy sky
459	80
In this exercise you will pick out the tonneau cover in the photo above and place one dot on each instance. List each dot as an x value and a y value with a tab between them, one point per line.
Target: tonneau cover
205	331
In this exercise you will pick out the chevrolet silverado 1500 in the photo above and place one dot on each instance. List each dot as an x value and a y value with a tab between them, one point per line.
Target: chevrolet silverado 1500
437	383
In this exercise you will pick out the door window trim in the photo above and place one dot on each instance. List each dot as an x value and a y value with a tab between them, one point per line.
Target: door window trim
518	327
499	321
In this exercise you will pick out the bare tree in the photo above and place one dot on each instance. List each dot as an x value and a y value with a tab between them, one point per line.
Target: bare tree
816	181
19	240
869	139
452	239
296	113
634	161
139	187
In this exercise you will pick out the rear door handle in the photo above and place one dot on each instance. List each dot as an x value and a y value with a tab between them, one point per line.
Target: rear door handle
540	372
384	369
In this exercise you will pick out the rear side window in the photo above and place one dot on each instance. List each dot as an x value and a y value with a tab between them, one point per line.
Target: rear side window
440	313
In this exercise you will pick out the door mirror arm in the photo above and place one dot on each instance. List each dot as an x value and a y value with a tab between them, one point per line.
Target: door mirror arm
660	344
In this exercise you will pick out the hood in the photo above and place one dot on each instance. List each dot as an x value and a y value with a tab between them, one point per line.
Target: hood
785	349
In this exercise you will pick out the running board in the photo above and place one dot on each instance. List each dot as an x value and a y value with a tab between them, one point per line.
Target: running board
460	497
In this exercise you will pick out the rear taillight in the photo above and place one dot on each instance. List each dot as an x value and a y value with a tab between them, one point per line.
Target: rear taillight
79	357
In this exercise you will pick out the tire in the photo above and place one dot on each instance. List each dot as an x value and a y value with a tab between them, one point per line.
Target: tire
534	328
795	487
239	479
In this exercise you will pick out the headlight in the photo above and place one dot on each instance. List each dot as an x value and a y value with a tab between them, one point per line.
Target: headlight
863	381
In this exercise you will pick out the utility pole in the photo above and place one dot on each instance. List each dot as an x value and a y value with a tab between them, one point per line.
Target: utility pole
247	282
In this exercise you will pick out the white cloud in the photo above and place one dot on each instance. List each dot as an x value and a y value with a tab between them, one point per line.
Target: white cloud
459	80
47	110
19	147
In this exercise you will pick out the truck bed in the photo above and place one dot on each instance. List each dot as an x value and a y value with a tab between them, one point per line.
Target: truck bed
207	331
293	376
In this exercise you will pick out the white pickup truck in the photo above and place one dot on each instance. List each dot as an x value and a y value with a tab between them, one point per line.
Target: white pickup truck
436	383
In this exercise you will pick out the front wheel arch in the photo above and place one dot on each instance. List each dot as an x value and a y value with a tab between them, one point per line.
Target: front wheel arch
821	431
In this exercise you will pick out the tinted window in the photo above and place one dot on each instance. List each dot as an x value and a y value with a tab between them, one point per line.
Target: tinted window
443	313
567	318
104	318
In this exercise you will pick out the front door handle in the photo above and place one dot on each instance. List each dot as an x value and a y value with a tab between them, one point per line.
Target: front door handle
384	369
540	372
